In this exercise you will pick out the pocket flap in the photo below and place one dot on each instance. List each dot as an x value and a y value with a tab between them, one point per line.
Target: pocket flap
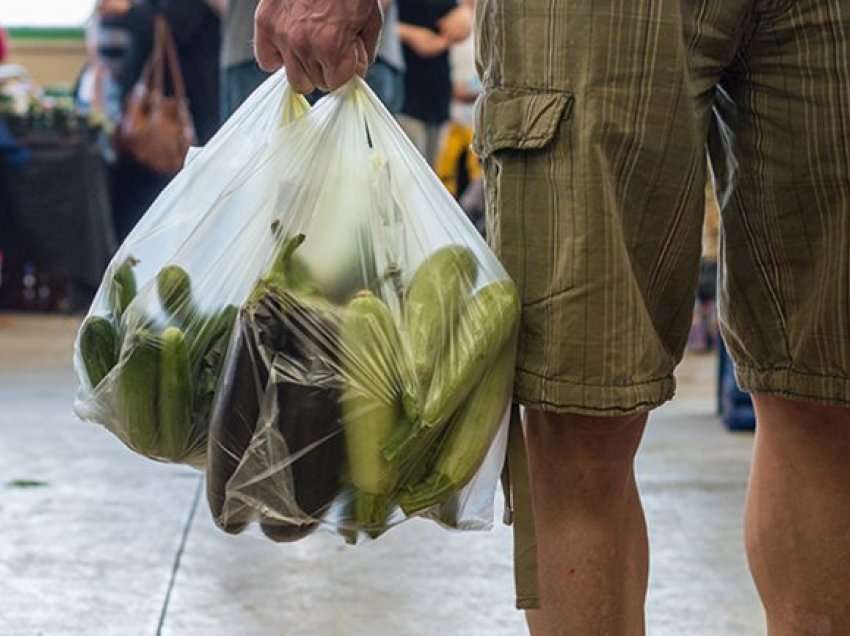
519	119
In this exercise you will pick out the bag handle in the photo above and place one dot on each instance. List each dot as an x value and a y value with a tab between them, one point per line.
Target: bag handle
172	59
294	106
164	57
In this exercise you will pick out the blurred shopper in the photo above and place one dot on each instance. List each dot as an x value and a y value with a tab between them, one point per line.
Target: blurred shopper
240	75
428	29
196	29
98	90
457	165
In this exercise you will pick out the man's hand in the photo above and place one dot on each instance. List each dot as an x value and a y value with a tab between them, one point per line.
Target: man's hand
322	43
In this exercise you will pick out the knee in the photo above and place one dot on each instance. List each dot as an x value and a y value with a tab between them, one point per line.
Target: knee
589	458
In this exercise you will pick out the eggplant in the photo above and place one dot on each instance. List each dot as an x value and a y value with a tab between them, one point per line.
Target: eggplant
307	385
233	422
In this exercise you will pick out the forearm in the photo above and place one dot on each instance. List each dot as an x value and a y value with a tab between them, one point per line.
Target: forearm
456	25
220	7
423	41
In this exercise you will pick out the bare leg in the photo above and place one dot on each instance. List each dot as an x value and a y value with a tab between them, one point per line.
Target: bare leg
591	534
798	517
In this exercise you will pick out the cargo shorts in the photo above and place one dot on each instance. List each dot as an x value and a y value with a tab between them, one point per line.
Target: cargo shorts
599	125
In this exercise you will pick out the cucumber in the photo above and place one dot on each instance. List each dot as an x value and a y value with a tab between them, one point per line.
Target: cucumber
207	356
122	287
98	348
204	333
138	382
488	321
471	433
175	396
436	294
371	405
174	288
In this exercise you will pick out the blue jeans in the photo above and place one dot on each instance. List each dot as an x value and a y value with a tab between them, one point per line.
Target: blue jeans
388	84
237	83
385	80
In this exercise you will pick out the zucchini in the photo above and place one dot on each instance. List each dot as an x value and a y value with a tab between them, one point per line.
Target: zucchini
436	294
470	435
175	396
371	405
174	288
137	387
122	287
485	326
98	348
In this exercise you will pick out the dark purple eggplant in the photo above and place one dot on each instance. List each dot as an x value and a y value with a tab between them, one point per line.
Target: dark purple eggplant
233	422
307	386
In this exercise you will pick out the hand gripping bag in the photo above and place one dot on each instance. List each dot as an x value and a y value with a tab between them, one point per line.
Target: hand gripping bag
315	322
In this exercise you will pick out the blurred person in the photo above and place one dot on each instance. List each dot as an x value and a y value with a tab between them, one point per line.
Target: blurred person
428	30
593	127
240	74
457	165
196	29
97	89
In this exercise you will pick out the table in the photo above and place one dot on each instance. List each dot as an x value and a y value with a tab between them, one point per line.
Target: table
55	208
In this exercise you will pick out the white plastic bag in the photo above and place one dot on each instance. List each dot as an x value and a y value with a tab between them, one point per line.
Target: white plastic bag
316	323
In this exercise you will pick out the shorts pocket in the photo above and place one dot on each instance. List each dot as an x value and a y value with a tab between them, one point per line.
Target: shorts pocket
522	138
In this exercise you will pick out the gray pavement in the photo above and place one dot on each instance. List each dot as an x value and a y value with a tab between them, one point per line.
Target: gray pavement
96	541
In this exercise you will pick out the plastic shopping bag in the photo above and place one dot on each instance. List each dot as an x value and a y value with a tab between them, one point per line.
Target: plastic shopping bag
316	323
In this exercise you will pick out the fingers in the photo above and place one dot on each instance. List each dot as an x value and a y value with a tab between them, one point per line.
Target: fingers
266	50
317	50
297	75
342	70
371	33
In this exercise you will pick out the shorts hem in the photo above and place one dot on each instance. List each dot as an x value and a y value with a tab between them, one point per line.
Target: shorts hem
807	387
553	396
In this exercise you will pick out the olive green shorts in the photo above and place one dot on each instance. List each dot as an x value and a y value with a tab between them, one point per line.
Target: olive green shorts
598	127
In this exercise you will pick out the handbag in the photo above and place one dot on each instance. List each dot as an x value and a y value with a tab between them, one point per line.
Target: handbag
157	129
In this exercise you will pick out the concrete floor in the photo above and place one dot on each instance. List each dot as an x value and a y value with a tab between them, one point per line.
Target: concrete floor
95	541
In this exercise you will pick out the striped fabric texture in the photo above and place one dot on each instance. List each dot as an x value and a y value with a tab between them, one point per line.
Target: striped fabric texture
599	124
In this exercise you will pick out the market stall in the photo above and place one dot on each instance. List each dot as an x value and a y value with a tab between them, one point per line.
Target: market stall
56	232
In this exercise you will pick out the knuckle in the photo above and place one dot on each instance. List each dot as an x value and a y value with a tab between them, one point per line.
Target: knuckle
300	41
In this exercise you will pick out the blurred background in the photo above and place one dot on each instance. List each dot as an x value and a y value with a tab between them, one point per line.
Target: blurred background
94	540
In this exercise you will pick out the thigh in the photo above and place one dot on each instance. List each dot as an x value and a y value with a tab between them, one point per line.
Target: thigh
785	293
594	158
